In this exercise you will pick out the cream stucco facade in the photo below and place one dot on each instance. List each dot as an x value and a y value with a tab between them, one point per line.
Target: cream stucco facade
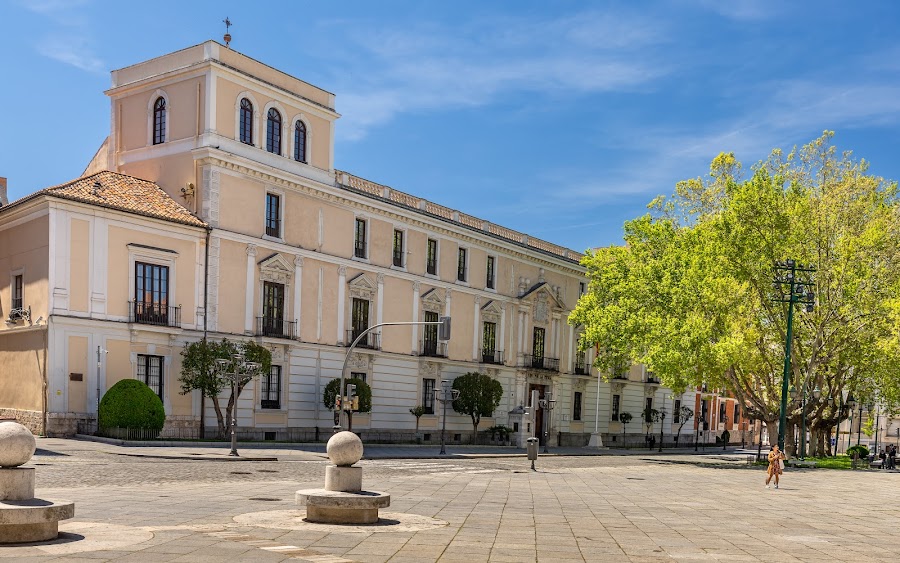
292	253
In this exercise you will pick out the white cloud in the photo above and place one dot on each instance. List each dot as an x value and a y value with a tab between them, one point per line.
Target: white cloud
71	42
432	67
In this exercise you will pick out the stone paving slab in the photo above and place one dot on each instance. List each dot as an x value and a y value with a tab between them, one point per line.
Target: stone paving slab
599	508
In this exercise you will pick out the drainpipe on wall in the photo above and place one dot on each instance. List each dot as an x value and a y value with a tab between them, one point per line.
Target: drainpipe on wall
205	327
45	399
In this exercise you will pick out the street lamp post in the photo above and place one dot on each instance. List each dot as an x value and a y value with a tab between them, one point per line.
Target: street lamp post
798	291
236	367
448	395
547	403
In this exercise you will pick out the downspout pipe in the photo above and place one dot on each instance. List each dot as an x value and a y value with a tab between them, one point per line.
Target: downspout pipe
205	328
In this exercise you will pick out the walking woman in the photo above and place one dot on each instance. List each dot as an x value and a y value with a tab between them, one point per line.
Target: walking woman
776	465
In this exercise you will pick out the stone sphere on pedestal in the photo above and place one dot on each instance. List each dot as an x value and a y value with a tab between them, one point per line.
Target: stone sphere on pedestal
17	444
344	448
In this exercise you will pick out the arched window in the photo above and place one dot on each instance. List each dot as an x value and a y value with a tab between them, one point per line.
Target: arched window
273	131
159	121
246	121
299	141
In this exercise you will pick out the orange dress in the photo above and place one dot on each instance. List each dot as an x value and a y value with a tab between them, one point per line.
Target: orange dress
774	466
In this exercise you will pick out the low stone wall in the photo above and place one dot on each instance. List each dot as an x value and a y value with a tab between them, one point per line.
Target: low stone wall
32	420
574	439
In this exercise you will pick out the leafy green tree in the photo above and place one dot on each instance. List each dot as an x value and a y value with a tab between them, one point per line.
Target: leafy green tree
684	415
690	294
199	371
363	391
417	411
479	395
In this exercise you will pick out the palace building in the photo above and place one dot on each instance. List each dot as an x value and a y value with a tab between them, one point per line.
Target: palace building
215	207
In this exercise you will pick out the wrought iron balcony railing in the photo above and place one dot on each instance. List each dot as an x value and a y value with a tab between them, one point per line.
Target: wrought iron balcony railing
540	362
276	328
580	368
371	340
433	348
492	356
156	314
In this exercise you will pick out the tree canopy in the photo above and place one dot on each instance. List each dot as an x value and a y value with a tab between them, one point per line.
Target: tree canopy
691	296
479	395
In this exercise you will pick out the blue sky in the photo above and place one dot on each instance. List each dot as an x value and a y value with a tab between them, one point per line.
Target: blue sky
560	119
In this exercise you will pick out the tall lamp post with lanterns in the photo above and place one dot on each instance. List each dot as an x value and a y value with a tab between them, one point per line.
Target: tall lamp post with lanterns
547	403
793	284
448	395
236	368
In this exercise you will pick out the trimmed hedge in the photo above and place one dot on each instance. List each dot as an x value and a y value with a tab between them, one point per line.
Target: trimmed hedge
131	404
862	451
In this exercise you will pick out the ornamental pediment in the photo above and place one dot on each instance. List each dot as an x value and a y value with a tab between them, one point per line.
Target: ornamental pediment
492	311
432	301
275	268
362	287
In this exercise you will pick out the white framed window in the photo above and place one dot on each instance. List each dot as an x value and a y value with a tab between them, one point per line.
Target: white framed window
151	370
246	119
361	238
158	118
270	389
432	257
490	281
462	265
17	288
146	265
300	138
398	249
274	219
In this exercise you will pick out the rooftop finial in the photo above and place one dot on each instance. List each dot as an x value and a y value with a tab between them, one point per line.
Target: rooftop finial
227	37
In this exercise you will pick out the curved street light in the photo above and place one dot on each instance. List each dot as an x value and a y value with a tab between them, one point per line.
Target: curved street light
236	367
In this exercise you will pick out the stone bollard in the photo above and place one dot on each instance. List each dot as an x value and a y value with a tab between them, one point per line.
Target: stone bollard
24	518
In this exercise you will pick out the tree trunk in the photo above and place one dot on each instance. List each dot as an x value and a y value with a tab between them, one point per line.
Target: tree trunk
220	421
475	430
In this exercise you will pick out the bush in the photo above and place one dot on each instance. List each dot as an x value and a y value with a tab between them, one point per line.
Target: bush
861	452
131	404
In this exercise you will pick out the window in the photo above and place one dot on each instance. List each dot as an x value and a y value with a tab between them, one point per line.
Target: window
273	309
576	407
398	248
151	293
430	340
360	375
359	246
159	121
489	283
737	413
431	257
273	215
270	395
428	395
299	141
676	416
150	371
18	292
246	122
489	342
273	131
648	407
615	407
580	357
360	316
723	416
537	344
461	266
580	288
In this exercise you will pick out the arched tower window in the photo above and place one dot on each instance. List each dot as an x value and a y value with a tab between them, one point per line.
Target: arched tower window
299	141
273	131
159	121
246	121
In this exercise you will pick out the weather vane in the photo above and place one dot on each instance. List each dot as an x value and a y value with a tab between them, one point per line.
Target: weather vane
227	37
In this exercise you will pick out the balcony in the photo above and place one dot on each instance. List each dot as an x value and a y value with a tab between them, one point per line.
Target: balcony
156	314
492	356
433	348
540	362
371	340
276	328
580	368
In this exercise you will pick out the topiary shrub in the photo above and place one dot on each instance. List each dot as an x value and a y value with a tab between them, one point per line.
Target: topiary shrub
860	452
131	404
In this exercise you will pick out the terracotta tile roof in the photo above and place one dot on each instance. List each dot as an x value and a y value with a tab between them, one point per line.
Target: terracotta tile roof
124	193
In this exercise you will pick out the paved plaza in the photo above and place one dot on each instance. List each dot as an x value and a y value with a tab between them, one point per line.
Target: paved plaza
189	504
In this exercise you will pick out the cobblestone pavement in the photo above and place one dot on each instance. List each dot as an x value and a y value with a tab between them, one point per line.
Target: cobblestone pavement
602	508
